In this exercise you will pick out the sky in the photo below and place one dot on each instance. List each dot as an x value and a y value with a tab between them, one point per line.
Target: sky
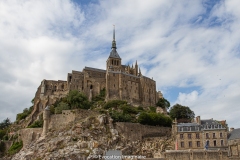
190	48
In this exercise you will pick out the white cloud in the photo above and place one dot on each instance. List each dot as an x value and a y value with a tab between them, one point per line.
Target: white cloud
189	98
176	43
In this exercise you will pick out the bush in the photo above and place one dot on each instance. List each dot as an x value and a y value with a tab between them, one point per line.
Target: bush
2	133
120	117
128	109
36	124
24	114
154	119
140	108
61	106
76	99
16	147
152	109
114	104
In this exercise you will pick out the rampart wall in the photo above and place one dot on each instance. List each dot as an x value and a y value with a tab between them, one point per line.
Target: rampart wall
196	155
136	131
60	121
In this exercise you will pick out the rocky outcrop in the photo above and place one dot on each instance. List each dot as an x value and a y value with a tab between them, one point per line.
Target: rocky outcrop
91	136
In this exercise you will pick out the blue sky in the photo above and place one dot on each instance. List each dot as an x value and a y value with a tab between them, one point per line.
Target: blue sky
190	48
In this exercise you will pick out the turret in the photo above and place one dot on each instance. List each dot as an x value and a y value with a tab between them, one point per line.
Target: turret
46	117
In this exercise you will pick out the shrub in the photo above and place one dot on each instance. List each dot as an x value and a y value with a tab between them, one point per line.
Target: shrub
61	106
140	108
24	114
75	99
36	124
16	147
120	117
114	104
154	119
128	109
2	133
152	109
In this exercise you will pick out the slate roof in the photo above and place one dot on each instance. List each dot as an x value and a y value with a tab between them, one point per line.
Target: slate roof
187	124
235	134
95	69
209	122
114	54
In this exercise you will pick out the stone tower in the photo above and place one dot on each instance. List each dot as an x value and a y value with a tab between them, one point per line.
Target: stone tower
46	117
113	65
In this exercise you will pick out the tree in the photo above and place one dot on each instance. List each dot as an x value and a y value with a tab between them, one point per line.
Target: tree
163	103
182	113
5	123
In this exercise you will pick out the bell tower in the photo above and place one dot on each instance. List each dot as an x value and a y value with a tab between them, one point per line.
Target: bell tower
114	61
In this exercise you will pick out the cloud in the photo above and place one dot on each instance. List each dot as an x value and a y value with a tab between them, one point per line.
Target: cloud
187	44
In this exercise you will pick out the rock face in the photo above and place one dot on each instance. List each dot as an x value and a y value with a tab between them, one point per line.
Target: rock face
93	136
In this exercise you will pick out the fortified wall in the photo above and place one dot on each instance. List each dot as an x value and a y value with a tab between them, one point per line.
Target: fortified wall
197	155
136	131
60	121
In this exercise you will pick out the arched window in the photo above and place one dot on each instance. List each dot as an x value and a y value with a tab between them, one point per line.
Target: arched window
91	86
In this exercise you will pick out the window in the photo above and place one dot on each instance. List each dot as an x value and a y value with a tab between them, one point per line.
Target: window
198	143
215	143
214	135
222	144
207	135
190	144
189	136
197	135
221	135
182	144
181	136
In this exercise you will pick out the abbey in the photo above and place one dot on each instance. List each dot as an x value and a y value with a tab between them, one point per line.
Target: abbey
120	81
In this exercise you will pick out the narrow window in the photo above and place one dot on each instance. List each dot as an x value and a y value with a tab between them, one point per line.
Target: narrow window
190	144
181	136
214	136
198	143
197	135
214	143
182	144
189	136
221	135
222	143
207	136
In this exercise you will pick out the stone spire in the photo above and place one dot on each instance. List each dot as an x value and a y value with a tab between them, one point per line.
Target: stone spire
114	45
113	53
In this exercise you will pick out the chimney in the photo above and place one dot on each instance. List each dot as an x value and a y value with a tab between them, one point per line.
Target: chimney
231	129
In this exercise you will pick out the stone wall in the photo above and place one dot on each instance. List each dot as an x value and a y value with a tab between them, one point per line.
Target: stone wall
29	135
136	131
60	121
196	155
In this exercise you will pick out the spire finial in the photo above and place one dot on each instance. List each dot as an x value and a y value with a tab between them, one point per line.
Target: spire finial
113	32
114	42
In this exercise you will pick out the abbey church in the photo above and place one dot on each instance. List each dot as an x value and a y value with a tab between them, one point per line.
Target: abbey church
120	81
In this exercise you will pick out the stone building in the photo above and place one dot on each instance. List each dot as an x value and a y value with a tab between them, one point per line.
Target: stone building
234	143
120	82
200	134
